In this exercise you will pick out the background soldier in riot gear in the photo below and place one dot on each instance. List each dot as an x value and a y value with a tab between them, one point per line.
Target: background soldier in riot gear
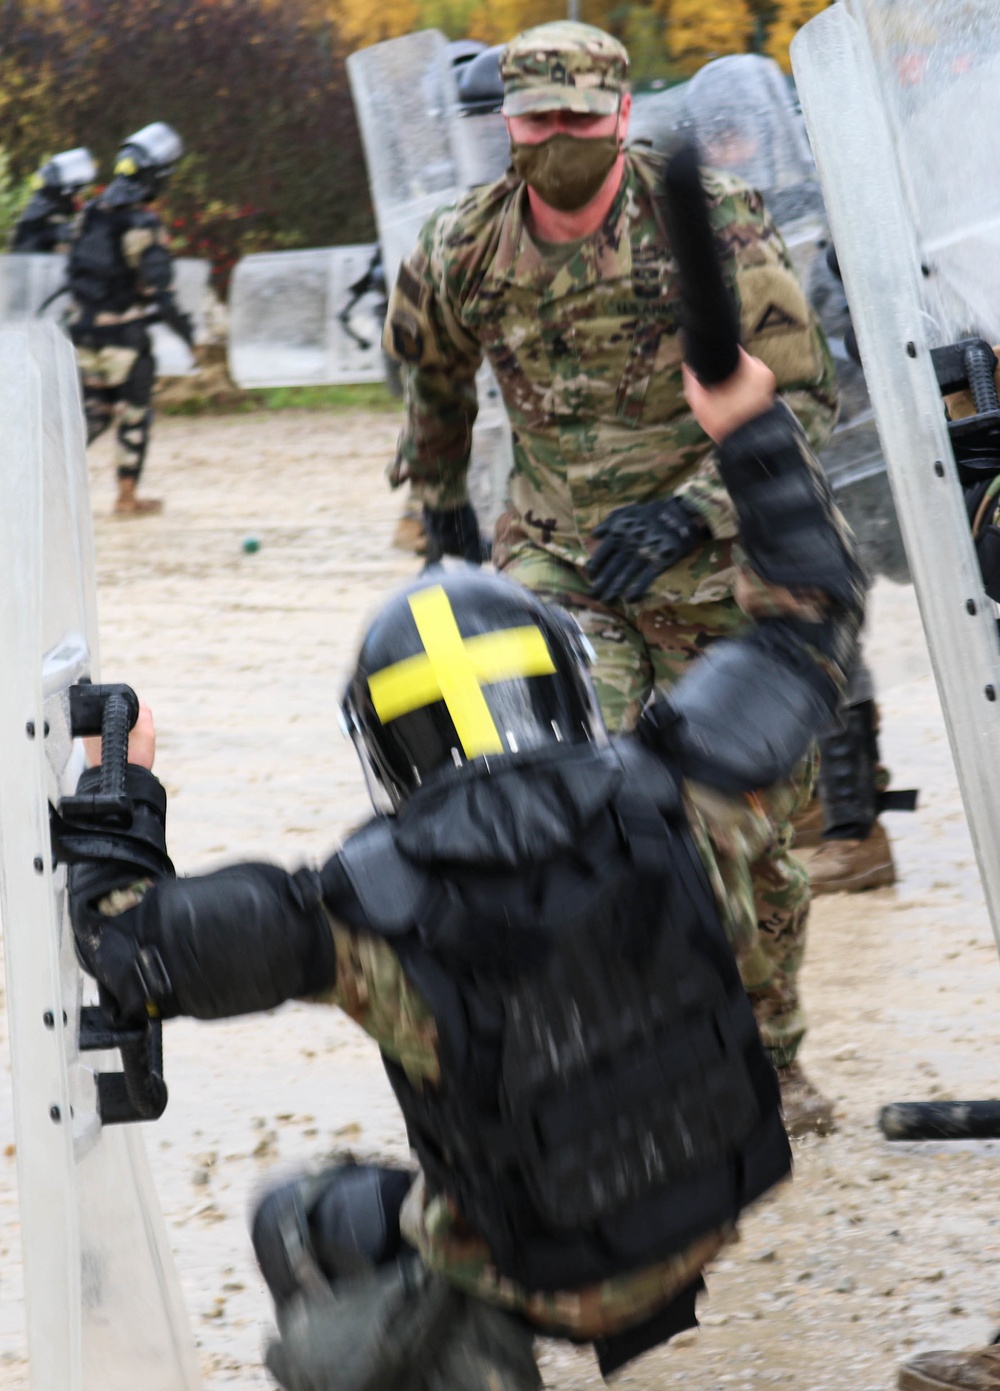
119	276
48	221
537	939
561	274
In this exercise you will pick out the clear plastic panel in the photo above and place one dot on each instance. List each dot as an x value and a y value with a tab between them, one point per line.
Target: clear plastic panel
285	325
103	1306
742	111
658	117
26	282
937	65
860	118
492	452
405	97
486	146
190	285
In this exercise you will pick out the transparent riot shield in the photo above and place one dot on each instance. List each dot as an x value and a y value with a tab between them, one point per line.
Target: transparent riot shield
908	171
30	288
103	1306
421	154
294	319
190	285
27	281
406	101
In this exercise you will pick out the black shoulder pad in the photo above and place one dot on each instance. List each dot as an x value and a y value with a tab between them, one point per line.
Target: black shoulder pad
390	890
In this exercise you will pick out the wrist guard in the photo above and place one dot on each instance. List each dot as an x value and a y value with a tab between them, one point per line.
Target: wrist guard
638	543
246	938
786	515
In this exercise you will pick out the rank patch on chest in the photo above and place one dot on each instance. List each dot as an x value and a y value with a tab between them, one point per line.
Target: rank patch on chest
455	669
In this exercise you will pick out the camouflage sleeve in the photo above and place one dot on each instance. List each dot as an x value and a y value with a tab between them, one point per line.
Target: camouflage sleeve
371	987
146	251
440	360
777	325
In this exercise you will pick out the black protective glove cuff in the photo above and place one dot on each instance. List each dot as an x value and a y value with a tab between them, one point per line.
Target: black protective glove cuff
639	542
246	938
787	519
103	859
453	531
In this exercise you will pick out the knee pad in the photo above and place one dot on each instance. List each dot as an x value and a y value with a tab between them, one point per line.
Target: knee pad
314	1230
133	441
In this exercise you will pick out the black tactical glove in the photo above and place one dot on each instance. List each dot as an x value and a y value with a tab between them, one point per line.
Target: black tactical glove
175	318
638	543
453	531
104	860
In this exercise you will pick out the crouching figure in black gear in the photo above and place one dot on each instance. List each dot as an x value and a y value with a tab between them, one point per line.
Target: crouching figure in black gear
119	276
47	224
541	919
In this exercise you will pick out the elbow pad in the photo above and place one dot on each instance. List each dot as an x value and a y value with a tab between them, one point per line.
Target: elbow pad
745	713
787	521
246	938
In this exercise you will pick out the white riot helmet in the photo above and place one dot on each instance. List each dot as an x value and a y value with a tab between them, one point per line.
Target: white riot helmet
143	164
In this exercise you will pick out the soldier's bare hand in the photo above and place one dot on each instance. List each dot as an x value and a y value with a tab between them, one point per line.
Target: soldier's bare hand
141	741
720	410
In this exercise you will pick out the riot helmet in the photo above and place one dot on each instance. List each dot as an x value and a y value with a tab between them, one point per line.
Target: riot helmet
144	164
57	183
462	669
480	86
68	173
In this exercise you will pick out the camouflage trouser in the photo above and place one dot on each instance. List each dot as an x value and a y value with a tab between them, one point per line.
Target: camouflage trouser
644	645
118	381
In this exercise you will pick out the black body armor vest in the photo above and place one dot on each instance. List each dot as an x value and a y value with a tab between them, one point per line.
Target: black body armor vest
98	276
605	1098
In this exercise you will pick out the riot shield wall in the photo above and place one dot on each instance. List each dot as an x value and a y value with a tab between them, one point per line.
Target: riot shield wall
103	1306
421	154
30	285
406	98
295	321
914	206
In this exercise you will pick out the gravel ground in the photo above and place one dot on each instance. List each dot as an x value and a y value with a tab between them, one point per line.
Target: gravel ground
872	1251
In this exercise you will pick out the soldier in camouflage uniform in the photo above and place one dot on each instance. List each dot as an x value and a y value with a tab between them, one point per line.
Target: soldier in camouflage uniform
576	309
556	1097
119	275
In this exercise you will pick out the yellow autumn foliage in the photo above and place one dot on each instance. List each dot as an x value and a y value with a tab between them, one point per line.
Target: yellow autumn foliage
363	22
789	18
699	30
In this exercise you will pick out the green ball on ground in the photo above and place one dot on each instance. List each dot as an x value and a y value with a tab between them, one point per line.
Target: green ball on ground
251	544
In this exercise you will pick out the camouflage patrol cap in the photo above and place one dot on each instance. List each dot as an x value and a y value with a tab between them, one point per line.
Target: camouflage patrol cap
563	66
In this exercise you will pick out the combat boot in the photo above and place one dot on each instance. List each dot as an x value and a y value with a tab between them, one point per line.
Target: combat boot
854	852
850	866
128	505
952	1371
805	1109
410	534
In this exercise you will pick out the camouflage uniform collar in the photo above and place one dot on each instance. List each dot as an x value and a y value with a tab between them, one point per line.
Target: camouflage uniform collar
607	255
